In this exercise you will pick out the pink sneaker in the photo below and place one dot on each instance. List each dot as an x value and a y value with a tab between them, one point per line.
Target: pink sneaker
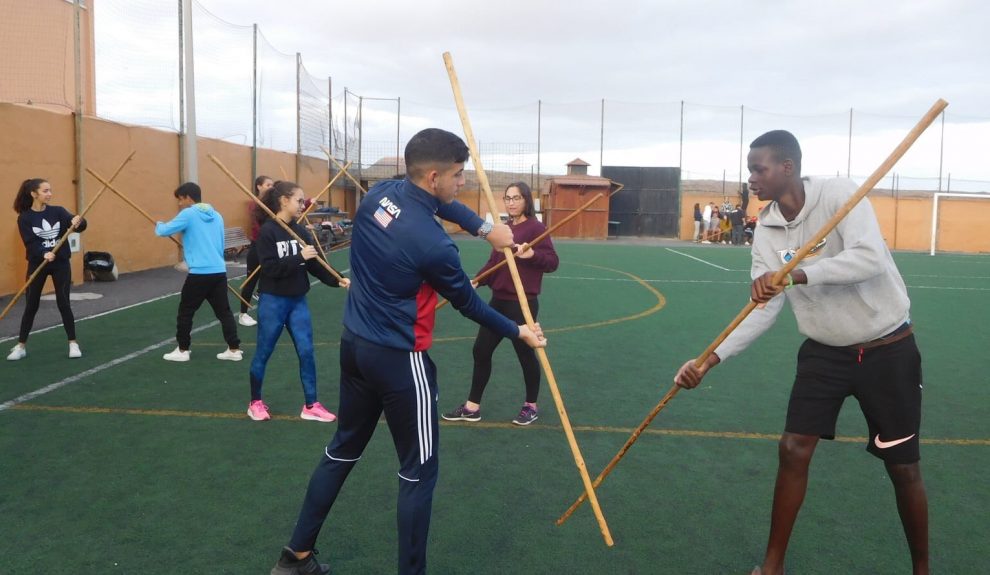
258	411
317	413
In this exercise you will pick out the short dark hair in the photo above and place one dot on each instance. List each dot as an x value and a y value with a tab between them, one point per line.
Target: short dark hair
434	146
784	145
189	190
529	210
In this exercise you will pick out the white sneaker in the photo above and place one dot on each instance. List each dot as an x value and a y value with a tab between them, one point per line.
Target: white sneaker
246	320
231	355
176	355
74	350
17	352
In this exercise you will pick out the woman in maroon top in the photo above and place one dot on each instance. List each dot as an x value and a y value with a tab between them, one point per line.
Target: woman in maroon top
532	263
261	185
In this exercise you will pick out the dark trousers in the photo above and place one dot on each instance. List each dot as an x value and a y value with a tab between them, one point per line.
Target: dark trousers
487	341
403	384
737	234
247	290
211	288
61	274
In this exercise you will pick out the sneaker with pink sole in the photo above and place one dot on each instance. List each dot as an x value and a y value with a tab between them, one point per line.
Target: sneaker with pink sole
258	411
317	412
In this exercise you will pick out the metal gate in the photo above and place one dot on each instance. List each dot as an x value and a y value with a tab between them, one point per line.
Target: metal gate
649	204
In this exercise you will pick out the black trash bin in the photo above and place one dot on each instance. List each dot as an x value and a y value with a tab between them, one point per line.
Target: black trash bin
100	265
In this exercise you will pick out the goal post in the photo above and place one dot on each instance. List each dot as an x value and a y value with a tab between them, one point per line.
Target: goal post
935	211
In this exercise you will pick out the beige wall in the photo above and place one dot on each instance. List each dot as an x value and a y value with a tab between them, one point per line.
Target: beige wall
39	53
38	143
905	222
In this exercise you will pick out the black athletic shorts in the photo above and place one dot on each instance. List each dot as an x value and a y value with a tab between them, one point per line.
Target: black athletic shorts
886	380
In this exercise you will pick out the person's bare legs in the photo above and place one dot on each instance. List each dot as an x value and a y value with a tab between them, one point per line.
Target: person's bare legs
795	452
912	506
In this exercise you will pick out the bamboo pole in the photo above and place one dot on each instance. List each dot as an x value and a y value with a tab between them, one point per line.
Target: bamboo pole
778	277
63	239
278	220
154	221
524	304
344	170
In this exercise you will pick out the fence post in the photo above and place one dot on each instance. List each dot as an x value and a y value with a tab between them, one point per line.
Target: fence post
190	164
78	119
254	105
298	114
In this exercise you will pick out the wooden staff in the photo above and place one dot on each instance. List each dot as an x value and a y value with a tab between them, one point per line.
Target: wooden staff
778	277
284	175
316	240
271	214
63	239
300	219
343	169
155	222
312	204
524	304
537	239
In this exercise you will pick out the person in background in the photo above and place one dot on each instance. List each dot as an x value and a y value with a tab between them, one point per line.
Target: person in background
41	226
261	185
697	223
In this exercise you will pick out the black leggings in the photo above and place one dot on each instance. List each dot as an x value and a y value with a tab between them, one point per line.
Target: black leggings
248	289
61	273
487	341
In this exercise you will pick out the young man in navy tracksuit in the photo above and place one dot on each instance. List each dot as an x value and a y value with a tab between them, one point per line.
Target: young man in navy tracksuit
401	257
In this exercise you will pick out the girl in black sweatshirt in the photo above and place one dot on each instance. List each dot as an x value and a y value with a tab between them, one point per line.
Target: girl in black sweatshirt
285	270
41	226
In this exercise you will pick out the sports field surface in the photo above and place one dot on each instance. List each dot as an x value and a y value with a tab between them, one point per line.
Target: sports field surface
122	463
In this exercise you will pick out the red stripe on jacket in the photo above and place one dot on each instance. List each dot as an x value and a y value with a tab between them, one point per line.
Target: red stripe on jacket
426	305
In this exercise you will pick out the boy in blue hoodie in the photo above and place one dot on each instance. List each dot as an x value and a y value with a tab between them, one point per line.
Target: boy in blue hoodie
202	244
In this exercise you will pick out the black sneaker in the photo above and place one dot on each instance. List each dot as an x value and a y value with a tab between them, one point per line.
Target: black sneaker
288	564
462	413
526	415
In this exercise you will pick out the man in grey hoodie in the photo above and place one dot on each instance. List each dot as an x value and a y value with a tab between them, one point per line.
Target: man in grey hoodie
202	245
851	303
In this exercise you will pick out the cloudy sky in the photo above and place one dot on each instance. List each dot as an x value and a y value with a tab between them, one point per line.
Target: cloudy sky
800	65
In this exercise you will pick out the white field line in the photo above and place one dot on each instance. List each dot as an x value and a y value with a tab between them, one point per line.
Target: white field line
94	370
699	260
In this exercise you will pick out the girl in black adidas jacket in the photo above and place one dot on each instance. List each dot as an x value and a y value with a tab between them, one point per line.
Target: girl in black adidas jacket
42	225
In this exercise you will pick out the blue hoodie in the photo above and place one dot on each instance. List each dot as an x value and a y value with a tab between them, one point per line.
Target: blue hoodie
202	238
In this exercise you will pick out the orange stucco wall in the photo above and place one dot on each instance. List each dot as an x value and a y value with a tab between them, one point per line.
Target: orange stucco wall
905	222
38	143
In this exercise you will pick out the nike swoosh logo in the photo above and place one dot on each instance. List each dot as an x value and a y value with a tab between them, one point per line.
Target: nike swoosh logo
889	444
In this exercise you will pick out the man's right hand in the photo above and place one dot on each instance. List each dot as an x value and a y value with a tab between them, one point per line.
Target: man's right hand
532	338
689	376
500	237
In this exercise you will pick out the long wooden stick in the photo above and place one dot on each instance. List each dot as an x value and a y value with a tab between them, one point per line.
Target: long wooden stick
778	277
154	222
271	214
536	240
312	204
524	304
63	239
301	218
343	169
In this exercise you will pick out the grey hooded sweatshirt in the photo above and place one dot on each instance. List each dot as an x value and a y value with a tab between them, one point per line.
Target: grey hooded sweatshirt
854	292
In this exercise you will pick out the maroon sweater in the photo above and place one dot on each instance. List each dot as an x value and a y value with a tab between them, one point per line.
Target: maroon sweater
531	270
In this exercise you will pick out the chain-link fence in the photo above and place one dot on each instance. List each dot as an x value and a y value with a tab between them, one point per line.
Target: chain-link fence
249	92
